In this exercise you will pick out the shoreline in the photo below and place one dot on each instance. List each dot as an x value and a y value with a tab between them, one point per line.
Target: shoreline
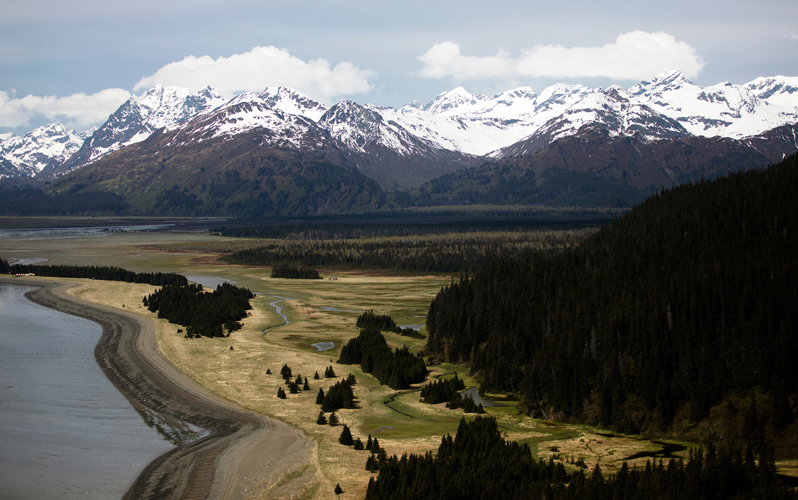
242	451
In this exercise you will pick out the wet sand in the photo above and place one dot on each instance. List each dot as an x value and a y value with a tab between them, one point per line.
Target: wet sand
244	455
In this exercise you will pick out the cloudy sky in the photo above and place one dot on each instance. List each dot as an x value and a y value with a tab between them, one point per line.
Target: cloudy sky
76	61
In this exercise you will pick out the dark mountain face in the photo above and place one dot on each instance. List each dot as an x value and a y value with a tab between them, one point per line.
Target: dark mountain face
592	168
224	177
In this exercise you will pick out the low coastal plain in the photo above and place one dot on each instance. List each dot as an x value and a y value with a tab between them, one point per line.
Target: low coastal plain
312	311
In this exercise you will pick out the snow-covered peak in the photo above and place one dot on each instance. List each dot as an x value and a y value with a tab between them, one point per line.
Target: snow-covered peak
285	99
167	107
52	143
456	101
665	82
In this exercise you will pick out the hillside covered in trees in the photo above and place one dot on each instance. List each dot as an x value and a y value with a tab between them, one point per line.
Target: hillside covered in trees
478	464
684	309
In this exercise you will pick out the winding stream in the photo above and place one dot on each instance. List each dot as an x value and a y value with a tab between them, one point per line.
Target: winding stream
279	311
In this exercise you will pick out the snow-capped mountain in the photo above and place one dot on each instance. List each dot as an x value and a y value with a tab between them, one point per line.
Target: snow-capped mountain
446	134
723	110
44	146
476	124
135	120
614	110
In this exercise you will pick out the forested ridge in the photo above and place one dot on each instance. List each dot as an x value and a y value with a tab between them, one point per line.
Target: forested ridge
688	301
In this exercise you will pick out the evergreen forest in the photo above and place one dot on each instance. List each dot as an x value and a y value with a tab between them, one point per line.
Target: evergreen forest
684	309
396	368
479	464
203	314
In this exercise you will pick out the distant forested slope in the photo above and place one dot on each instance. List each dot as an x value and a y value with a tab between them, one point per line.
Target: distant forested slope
689	299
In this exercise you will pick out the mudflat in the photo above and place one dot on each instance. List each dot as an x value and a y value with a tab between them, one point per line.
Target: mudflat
241	448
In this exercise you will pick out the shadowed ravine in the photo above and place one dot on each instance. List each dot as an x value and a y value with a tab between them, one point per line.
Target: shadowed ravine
239	444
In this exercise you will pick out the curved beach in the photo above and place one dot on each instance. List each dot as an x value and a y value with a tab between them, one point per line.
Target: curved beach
244	454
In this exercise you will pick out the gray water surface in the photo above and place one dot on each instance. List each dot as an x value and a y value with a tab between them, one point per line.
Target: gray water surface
209	282
65	430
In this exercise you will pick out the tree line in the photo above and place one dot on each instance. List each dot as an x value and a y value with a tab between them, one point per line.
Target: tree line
384	323
689	299
104	273
436	254
478	464
295	272
203	314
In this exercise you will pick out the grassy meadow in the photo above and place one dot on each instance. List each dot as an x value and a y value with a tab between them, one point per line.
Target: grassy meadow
318	311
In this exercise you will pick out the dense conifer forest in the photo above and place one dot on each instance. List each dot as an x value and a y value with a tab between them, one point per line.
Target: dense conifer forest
683	309
479	464
203	314
104	273
395	368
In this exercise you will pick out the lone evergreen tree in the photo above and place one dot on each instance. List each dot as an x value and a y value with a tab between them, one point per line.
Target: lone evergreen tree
338	489
321	420
333	419
346	436
306	387
281	393
320	397
316	376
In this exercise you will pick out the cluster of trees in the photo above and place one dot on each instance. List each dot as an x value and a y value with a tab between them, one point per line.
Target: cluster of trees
381	322
104	273
689	298
478	463
434	254
440	391
395	368
203	314
384	323
466	403
295	272
338	396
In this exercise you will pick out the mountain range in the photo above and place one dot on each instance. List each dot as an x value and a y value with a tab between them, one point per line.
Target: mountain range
637	137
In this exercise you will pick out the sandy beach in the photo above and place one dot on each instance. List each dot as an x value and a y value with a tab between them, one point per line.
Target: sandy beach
244	455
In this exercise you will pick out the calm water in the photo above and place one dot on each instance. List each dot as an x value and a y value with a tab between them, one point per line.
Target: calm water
65	431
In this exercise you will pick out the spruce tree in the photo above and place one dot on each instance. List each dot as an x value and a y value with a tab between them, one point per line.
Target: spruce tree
281	393
321	420
320	397
316	376
338	489
306	387
346	436
333	419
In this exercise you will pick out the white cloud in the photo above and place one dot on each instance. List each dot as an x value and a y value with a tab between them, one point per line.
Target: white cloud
78	111
633	56
789	35
260	68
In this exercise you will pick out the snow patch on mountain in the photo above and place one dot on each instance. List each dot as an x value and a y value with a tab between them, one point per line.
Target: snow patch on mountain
37	149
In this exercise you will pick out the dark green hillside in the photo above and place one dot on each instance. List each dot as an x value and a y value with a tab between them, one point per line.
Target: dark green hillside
223	177
683	310
595	169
